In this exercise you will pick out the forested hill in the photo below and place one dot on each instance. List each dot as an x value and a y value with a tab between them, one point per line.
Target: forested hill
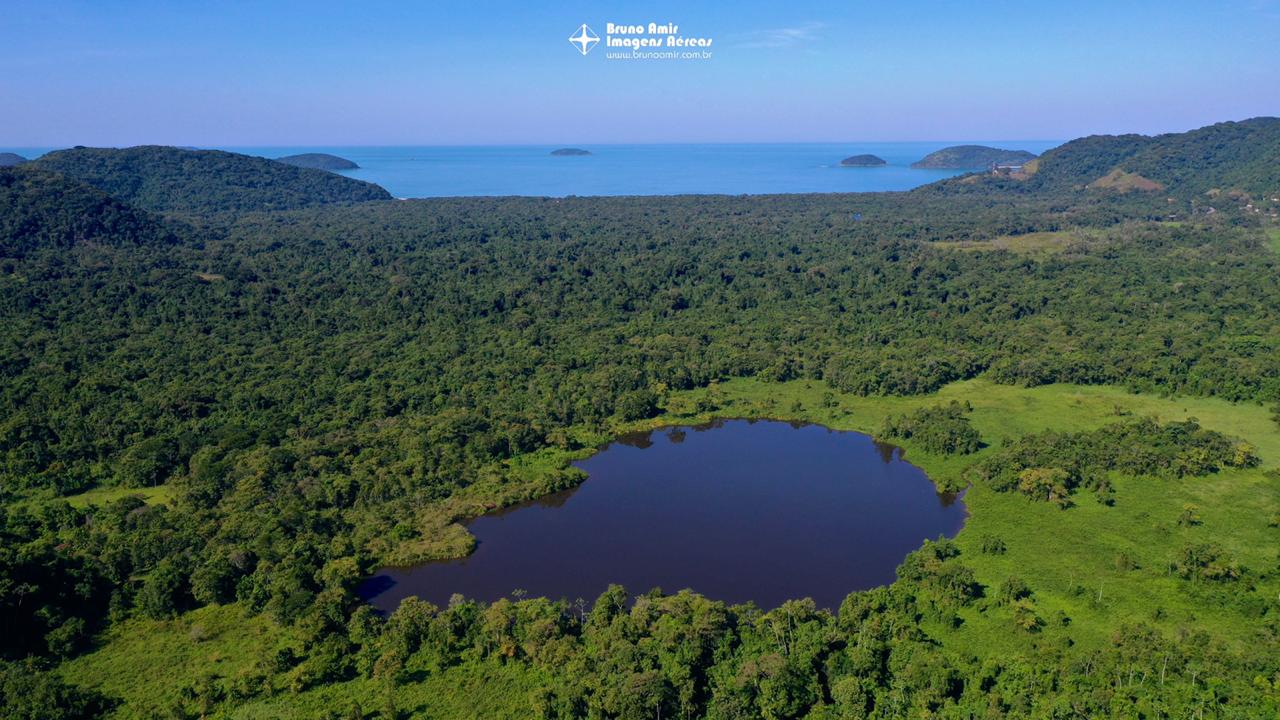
1243	156
962	157
43	210
167	179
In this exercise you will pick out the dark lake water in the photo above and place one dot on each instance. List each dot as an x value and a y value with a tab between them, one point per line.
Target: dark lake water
737	510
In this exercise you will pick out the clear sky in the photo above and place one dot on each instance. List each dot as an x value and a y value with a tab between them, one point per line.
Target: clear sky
125	72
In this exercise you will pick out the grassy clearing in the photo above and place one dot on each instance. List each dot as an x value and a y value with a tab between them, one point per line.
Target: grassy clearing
1036	244
1273	237
482	690
160	494
1068	557
146	662
1120	181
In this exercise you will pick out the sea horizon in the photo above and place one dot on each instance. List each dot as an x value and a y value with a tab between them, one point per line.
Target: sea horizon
623	169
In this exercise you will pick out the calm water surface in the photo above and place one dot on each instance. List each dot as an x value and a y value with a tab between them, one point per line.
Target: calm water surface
738	510
723	168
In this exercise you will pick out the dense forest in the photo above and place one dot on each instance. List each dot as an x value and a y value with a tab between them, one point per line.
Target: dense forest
233	383
176	180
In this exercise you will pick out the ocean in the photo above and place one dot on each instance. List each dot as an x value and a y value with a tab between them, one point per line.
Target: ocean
732	169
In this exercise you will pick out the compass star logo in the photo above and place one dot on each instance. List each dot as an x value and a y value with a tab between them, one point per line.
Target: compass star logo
584	39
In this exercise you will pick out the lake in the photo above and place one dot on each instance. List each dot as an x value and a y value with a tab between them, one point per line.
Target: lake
737	510
723	168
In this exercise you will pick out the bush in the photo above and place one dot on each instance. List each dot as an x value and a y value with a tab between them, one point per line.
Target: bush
1046	484
1190	516
1207	561
1025	617
1011	591
992	545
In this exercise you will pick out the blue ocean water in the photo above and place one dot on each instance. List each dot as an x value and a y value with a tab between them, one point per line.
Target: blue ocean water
749	168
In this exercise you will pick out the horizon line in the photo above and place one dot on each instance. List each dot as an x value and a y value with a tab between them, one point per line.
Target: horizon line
215	146
57	146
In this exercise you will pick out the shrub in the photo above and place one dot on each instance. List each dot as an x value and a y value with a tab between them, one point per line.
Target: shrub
992	545
1207	561
1011	591
1190	516
1025	617
1046	484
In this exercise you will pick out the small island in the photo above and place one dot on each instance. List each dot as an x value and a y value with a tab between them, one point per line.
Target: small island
971	157
862	161
11	159
570	152
318	161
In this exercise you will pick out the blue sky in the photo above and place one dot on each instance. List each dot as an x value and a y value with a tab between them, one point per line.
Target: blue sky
479	72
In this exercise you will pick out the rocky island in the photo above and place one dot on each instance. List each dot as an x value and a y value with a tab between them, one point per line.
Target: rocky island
570	152
318	161
970	157
862	161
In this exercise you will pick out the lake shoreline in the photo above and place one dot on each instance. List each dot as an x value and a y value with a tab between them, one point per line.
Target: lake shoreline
788	461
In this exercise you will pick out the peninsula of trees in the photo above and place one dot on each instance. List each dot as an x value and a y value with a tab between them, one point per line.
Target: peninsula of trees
970	157
318	161
168	179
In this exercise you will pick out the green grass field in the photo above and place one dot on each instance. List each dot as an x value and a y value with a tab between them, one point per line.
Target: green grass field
160	494
1067	557
1273	235
1036	244
147	661
1054	550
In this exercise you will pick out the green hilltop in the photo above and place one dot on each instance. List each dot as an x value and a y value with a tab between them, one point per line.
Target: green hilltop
1231	156
969	157
40	210
167	179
